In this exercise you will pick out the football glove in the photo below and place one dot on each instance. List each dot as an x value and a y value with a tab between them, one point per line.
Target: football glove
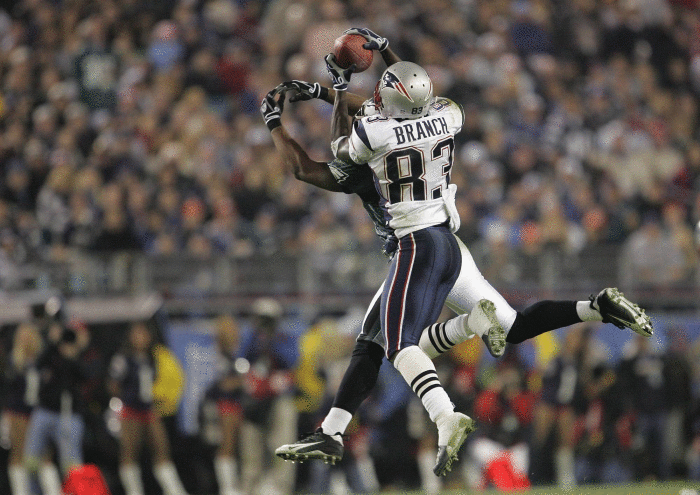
339	76
303	90
374	41
271	109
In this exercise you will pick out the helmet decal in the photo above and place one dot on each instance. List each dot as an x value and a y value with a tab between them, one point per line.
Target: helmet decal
391	81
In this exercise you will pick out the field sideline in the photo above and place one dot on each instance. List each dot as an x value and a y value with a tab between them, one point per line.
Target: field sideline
668	488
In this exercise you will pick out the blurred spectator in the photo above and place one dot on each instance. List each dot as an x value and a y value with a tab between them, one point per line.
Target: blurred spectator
650	258
500	454
679	397
228	391
270	413
555	415
132	376
642	376
22	379
57	419
604	430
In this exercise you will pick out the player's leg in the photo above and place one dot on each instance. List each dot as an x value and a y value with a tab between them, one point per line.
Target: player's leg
362	372
609	305
423	271
130	441
357	383
482	311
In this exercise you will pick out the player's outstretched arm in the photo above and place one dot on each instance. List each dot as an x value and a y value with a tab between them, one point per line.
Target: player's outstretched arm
293	155
304	91
302	166
340	122
376	42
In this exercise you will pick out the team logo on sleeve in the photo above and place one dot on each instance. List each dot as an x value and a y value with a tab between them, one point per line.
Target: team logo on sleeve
391	81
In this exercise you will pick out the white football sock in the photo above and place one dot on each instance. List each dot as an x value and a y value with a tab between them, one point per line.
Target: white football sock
168	479
441	337
130	476
226	474
49	479
419	372
586	313
19	479
336	421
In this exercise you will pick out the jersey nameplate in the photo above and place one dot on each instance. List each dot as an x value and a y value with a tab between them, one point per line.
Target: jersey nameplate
420	129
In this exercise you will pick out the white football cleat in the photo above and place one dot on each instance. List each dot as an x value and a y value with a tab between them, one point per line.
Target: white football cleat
455	430
482	320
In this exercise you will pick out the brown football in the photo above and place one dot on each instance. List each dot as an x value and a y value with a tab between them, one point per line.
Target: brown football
348	50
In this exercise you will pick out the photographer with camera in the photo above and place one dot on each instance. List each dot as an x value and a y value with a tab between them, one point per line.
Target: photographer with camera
58	416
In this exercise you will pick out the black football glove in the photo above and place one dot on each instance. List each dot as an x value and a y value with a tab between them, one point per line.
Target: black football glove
374	41
339	76
303	90
271	109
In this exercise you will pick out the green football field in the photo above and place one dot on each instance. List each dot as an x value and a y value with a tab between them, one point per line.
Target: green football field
670	488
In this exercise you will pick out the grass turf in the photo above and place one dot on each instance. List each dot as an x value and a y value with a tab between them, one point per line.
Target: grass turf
650	488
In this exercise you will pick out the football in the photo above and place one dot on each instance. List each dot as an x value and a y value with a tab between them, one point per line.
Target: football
348	50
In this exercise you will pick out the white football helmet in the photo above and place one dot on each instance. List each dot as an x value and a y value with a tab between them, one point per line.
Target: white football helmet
404	91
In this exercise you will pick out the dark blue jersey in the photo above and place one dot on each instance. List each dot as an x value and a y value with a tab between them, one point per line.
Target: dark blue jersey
22	389
229	381
360	181
135	377
61	380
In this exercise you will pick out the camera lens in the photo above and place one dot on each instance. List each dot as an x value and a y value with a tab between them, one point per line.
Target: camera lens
69	336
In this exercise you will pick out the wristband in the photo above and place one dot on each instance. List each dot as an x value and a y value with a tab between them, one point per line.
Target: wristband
273	123
323	94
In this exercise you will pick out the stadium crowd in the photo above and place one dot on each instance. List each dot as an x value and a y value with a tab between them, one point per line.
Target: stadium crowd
130	125
135	127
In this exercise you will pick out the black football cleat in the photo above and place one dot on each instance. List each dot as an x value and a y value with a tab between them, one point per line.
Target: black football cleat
317	445
621	312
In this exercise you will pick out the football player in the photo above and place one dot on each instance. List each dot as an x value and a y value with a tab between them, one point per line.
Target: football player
408	146
470	291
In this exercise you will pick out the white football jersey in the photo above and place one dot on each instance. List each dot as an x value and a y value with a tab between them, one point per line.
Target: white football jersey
411	160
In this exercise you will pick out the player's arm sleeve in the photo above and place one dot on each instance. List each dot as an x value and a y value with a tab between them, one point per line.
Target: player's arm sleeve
359	146
341	176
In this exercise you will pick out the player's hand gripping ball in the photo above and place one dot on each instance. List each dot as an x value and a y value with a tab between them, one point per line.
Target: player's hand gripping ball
349	49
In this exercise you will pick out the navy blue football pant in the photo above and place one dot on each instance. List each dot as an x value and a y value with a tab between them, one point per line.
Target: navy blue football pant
422	273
